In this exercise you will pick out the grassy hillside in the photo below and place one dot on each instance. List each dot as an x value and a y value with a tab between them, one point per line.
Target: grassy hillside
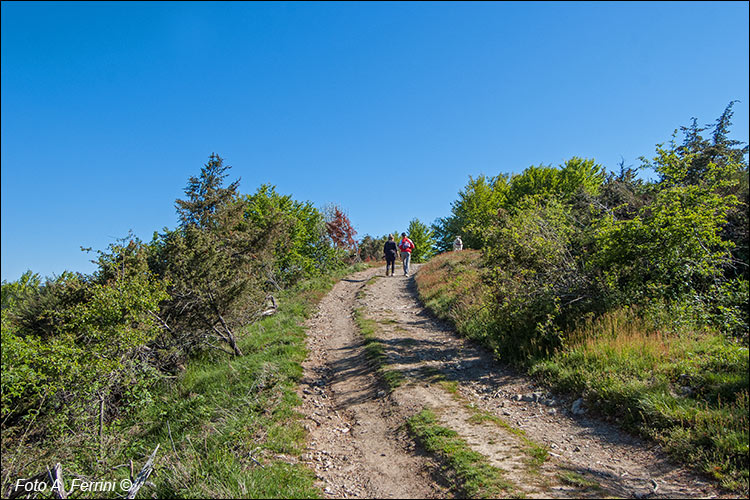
685	388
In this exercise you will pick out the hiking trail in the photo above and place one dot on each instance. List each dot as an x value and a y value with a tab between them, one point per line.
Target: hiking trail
358	443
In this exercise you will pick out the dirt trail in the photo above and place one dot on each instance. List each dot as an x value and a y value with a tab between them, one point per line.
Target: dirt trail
358	445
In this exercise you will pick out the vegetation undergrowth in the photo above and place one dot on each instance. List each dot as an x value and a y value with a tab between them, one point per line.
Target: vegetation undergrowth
686	389
234	422
475	476
178	343
226	427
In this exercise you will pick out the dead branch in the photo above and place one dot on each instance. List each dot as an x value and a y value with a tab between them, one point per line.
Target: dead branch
254	460
143	475
271	281
58	485
271	310
160	320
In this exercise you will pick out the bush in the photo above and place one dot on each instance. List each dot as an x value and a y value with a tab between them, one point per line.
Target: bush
72	340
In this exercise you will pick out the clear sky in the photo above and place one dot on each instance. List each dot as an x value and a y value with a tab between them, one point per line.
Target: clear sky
383	108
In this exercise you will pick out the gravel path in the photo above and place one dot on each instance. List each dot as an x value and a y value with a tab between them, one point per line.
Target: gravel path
357	443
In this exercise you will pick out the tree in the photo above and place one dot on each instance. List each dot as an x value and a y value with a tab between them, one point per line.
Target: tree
15	291
371	248
576	175
213	262
340	229
424	241
473	212
205	194
688	243
698	160
300	248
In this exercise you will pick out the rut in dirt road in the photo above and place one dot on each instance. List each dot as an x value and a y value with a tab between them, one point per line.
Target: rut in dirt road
358	445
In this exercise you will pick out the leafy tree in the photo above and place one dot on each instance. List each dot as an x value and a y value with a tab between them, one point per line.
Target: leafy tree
576	175
690	242
718	163
581	175
672	248
128	256
541	180
537	275
473	212
15	291
424	241
300	248
477	207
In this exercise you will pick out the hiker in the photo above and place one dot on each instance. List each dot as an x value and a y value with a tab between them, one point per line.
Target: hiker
406	246
458	245
390	249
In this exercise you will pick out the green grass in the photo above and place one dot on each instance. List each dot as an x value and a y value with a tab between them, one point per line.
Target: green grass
375	351
537	453
216	421
472	474
688	393
227	416
575	479
685	389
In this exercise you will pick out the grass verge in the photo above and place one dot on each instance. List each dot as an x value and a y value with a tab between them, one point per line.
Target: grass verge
536	453
375	351
474	476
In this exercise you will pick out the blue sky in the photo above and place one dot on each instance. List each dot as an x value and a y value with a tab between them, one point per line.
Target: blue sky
383	108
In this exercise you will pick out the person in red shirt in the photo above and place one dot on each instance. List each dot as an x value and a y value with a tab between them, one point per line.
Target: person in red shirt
406	246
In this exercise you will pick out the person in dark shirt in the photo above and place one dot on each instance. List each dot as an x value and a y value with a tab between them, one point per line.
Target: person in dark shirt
391	252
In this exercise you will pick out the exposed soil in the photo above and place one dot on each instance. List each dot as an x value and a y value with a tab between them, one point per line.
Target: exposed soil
358	445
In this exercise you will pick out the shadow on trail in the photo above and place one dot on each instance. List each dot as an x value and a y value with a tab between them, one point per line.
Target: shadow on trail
354	365
467	363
